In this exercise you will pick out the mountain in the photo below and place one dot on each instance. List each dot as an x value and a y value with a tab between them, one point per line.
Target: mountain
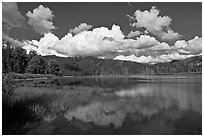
95	66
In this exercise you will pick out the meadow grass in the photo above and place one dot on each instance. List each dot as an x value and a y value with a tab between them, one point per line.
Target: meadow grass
69	96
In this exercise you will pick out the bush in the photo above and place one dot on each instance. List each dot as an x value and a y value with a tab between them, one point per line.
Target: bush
7	86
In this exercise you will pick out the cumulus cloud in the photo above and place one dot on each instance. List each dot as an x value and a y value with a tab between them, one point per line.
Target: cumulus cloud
44	45
111	43
153	23
153	59
170	35
193	46
90	43
133	34
11	15
98	42
82	27
145	41
41	19
162	52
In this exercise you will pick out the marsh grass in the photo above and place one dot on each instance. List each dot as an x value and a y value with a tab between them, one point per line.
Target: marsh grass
35	100
30	75
56	98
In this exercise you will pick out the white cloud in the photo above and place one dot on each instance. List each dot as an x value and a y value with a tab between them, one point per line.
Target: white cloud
111	43
133	34
11	16
141	59
98	42
31	46
44	45
162	52
87	43
154	23
145	41
170	35
82	27
153	59
41	19
193	46
90	43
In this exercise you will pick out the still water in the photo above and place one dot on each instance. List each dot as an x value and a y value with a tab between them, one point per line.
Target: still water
110	105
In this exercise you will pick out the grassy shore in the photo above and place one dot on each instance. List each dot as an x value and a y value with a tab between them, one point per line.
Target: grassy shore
29	76
18	76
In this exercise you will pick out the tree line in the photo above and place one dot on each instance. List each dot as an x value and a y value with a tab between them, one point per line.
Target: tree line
15	59
77	66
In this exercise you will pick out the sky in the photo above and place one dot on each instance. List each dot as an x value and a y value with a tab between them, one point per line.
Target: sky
137	31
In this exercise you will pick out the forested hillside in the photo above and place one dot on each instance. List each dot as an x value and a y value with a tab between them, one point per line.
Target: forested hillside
95	66
16	60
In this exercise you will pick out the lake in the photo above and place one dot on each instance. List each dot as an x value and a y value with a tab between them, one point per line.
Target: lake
106	105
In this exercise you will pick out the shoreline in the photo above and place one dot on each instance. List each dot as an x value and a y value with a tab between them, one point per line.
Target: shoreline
172	76
137	76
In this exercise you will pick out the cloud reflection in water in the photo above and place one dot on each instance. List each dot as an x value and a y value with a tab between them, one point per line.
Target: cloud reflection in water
143	100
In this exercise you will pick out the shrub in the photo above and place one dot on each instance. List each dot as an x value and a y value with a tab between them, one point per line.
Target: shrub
7	86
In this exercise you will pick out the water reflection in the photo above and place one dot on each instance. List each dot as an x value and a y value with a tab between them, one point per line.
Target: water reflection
185	96
143	100
123	106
